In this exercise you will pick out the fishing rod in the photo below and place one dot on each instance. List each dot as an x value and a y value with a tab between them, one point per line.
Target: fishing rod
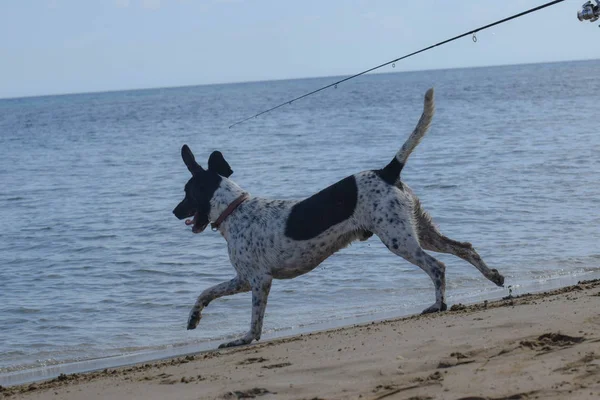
589	12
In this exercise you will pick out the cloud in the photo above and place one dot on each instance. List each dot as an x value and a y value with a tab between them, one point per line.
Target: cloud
122	3
151	4
312	18
370	15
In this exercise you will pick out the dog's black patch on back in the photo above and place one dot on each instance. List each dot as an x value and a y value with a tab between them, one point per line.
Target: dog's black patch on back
329	207
391	172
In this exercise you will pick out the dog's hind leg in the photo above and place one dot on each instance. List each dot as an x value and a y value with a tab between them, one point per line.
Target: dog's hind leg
432	239
260	293
403	242
236	285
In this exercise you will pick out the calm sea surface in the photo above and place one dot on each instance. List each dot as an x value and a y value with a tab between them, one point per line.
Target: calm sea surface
94	265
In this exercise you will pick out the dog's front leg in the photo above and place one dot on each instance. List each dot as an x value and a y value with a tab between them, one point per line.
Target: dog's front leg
260	293
236	285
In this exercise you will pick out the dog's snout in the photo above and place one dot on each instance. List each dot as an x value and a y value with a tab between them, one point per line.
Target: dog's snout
181	211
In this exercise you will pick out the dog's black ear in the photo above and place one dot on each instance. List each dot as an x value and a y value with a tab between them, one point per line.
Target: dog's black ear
190	160
217	163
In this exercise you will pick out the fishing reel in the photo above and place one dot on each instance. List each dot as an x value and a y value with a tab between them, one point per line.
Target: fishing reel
589	11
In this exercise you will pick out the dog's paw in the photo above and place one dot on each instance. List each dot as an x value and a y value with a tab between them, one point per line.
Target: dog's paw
496	278
194	319
238	342
435	308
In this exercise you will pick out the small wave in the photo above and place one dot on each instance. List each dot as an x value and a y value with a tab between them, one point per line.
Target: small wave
85	249
150	272
174	264
11	353
53	276
150	305
124	262
98	237
26	310
65	328
40	363
438	186
15	321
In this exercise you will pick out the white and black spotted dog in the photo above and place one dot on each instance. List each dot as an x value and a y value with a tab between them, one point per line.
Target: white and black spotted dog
282	239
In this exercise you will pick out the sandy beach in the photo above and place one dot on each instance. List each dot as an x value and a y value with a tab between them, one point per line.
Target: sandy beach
535	346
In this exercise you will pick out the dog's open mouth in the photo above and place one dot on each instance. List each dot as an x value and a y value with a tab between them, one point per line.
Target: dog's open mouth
197	226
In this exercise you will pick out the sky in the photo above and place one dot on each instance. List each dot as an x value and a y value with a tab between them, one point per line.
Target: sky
73	46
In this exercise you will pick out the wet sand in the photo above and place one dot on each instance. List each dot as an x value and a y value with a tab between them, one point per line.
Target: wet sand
535	346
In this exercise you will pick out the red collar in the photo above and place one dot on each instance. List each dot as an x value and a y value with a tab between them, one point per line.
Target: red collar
230	208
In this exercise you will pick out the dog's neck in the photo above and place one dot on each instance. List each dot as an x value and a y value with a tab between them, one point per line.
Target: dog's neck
226	194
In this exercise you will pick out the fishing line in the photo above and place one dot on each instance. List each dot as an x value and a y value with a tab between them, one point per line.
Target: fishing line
471	32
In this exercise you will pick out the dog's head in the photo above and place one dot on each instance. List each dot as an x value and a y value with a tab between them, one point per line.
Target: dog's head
201	188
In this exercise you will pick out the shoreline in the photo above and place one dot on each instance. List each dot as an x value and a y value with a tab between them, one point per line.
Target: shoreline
545	347
42	373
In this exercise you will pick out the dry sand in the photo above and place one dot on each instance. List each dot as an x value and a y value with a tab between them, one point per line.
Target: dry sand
540	346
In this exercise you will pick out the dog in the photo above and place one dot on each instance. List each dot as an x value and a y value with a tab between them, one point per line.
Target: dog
282	239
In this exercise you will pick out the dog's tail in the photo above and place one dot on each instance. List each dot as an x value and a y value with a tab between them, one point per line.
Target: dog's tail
392	171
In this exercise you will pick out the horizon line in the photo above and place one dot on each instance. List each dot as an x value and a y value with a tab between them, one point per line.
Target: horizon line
281	79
